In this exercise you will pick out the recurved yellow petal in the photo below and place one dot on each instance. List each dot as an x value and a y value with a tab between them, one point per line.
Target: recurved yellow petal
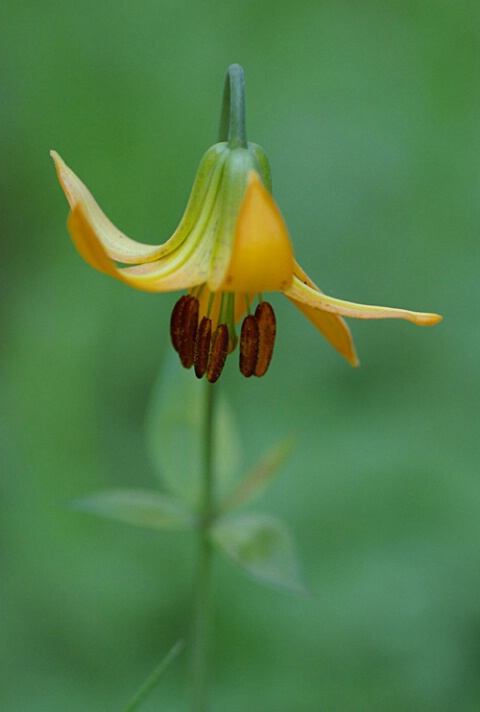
91	249
331	326
87	243
181	270
116	244
262	255
313	297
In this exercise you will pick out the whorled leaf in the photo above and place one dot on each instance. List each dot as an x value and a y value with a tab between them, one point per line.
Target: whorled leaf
227	447
174	431
142	508
262	546
260	475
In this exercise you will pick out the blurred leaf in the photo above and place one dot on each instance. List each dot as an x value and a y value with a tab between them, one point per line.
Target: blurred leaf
139	507
259	476
262	546
227	447
174	432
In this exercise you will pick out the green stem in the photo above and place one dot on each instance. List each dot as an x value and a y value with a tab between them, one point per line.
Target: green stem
232	119
150	683
201	622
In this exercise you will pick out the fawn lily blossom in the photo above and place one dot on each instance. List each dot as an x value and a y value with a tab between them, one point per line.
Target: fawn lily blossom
231	245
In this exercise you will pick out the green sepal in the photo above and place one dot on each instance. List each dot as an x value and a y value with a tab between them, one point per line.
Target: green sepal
142	508
239	162
263	548
207	174
262	163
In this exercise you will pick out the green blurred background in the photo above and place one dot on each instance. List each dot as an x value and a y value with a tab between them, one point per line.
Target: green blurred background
369	113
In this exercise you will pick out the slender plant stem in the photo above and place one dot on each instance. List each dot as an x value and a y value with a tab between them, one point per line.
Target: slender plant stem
232	129
150	683
201	622
232	119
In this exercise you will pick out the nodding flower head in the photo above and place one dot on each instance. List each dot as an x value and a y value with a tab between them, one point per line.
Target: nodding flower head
231	248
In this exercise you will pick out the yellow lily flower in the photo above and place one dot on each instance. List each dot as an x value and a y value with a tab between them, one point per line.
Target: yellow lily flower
231	244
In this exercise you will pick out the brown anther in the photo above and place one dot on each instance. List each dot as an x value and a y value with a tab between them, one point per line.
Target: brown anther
267	329
189	331
175	322
202	346
183	328
218	353
249	343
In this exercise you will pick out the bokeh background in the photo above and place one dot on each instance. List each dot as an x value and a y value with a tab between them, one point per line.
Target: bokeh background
369	113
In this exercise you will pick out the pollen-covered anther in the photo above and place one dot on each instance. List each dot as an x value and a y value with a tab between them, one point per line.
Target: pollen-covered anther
183	328
202	346
267	329
249	341
218	353
175	322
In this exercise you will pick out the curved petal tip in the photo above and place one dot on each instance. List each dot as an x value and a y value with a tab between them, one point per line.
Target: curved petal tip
422	319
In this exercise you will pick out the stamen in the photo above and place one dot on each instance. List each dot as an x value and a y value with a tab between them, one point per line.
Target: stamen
202	346
249	343
189	331
267	329
175	322
200	290
183	328
210	302
218	353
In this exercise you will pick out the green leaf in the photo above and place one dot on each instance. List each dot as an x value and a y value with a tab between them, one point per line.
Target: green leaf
260	475
227	447
174	431
262	546
139	507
